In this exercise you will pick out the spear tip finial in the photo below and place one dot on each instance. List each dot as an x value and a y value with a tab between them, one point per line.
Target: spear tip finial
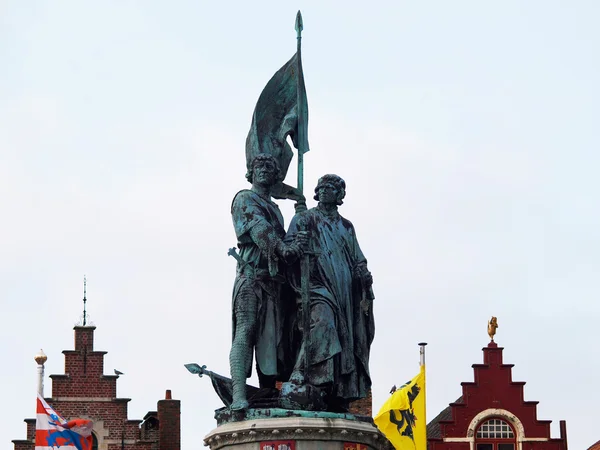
299	24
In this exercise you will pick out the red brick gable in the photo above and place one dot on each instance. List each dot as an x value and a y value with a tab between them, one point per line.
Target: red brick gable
493	393
84	370
83	391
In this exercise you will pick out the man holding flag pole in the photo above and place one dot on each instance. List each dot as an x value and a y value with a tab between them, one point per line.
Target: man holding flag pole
259	315
402	418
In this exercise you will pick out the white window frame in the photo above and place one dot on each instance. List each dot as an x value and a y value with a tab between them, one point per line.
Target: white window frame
495	413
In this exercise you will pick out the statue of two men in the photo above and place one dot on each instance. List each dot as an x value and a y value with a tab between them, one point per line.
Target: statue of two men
265	320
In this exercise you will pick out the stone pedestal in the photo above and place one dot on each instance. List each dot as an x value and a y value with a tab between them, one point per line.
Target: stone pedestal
297	433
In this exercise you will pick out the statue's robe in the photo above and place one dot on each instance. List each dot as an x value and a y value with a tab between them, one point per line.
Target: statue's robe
258	225
340	332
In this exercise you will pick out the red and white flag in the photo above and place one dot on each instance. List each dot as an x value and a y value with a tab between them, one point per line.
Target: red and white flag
52	431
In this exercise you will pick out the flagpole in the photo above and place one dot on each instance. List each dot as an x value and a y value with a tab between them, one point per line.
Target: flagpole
422	353
302	148
301	138
422	367
40	359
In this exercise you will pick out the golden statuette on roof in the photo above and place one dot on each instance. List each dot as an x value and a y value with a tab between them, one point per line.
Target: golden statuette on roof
492	325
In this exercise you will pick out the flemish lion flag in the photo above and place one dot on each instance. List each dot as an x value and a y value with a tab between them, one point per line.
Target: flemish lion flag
402	417
52	431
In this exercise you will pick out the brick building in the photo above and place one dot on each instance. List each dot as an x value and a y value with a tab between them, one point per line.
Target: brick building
596	446
363	407
83	391
491	414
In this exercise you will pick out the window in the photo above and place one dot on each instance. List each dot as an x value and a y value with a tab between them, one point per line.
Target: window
495	434
495	429
506	446
486	446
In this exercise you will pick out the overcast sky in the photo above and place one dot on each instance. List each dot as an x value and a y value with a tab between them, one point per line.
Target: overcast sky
467	133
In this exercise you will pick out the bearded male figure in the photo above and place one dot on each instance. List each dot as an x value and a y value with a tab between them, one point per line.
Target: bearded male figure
258	313
341	312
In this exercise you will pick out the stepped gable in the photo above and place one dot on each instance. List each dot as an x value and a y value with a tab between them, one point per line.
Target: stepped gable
492	394
83	391
433	427
84	371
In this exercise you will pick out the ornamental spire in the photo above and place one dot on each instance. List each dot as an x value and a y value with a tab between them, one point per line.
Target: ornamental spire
84	300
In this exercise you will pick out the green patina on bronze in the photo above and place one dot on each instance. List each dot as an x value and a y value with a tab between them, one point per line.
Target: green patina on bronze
336	350
302	299
226	415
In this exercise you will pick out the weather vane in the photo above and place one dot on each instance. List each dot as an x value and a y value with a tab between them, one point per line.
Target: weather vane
492	325
84	300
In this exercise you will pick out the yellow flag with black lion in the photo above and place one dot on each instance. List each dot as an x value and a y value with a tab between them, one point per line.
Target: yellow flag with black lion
402	417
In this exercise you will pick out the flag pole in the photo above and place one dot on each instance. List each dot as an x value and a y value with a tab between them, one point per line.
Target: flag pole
422	353
40	359
422	367
301	138
302	148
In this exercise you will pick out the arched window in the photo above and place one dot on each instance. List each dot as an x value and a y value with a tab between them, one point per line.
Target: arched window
495	434
94	442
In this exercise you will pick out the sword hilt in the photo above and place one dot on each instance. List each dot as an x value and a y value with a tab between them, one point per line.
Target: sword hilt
232	252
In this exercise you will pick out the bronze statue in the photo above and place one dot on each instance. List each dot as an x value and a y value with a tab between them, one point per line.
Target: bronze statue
318	340
333	355
258	314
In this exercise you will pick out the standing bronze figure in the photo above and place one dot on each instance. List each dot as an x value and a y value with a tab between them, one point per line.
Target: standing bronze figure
341	330
258	313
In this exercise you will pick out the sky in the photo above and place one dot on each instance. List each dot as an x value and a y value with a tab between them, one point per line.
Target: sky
466	131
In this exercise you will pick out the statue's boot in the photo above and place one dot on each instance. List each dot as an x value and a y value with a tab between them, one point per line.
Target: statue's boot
240	401
239	405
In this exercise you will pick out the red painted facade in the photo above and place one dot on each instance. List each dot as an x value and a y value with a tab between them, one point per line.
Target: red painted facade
83	391
492	395
596	446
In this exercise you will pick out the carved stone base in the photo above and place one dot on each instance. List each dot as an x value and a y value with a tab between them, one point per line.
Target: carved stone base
297	433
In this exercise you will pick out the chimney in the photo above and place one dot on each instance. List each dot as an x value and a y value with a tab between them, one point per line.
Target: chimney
169	418
563	432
